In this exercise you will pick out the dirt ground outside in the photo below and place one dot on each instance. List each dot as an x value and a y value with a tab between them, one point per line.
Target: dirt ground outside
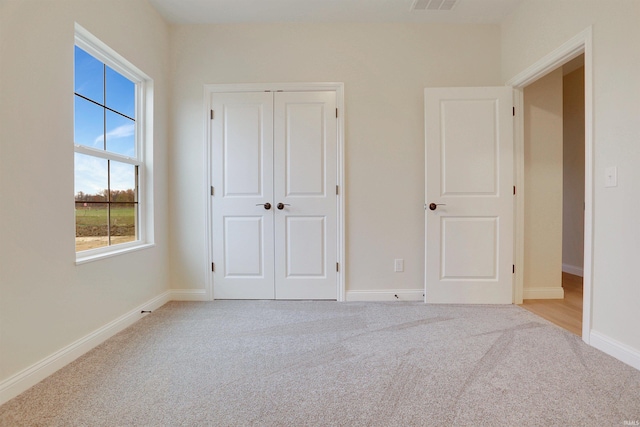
92	242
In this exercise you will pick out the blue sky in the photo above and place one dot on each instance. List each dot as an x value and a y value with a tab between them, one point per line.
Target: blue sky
102	84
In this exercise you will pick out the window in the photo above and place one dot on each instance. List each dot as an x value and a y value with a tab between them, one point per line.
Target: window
109	150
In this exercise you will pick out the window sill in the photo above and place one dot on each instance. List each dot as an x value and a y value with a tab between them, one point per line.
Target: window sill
83	259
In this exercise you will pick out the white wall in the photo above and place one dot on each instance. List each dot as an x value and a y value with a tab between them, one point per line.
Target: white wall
536	29
385	68
47	302
573	171
543	187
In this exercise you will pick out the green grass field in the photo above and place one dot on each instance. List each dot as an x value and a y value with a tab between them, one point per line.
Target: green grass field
92	221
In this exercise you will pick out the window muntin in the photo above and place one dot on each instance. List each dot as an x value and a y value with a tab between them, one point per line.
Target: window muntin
108	152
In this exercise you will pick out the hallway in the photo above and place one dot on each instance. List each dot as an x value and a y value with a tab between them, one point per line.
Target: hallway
567	312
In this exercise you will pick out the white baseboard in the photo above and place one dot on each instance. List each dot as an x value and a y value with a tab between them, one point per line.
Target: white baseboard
622	352
386	295
572	269
16	384
555	292
188	295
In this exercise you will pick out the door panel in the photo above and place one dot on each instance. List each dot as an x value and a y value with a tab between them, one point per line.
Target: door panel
305	246
243	248
469	174
460	261
242	174
305	147
305	141
469	148
242	151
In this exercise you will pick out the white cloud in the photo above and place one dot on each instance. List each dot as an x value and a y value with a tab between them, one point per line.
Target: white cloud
123	131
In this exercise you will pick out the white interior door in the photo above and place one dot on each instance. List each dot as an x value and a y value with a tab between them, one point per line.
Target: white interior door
274	208
242	177
469	195
305	183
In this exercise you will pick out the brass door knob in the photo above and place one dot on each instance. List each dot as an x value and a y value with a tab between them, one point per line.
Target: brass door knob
434	206
267	205
281	206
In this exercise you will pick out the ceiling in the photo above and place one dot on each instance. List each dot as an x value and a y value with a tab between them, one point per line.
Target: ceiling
238	11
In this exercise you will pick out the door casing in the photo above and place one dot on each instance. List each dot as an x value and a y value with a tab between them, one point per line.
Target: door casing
580	44
210	89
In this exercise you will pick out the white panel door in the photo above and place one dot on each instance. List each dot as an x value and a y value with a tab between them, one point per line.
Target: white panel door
242	176
276	151
469	195
305	175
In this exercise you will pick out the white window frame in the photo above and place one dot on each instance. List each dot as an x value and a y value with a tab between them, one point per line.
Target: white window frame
144	222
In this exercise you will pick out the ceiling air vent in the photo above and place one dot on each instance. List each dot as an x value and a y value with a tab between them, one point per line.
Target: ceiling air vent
433	4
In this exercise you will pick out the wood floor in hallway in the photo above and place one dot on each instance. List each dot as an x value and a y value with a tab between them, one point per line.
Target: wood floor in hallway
567	312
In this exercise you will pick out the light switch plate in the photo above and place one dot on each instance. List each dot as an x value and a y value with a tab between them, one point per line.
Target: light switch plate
611	176
398	265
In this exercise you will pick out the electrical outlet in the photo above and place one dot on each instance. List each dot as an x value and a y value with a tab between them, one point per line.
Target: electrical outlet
398	265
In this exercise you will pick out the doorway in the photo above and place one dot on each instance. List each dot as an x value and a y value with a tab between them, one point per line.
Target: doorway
581	44
554	185
274	155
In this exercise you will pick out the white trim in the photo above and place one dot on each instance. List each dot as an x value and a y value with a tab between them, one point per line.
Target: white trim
569	50
87	41
188	295
572	269
581	43
518	164
91	255
208	214
386	295
289	87
261	87
551	292
107	155
616	349
143	145
16	384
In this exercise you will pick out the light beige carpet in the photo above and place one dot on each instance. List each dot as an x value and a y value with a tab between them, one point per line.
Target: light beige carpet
285	363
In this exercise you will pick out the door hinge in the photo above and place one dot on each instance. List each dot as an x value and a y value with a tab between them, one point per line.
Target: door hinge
336	113
213	191
337	190
514	111
513	269
337	266
213	266
514	190
212	114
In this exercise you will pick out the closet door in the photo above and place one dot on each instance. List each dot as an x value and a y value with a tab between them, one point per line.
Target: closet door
242	177
305	169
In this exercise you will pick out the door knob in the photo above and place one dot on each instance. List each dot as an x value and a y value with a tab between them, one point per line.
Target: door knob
434	206
267	205
281	206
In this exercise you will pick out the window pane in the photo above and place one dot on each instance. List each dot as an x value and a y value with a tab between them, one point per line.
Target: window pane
120	135
89	76
91	226
121	93
88	124
123	182
123	222
91	181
